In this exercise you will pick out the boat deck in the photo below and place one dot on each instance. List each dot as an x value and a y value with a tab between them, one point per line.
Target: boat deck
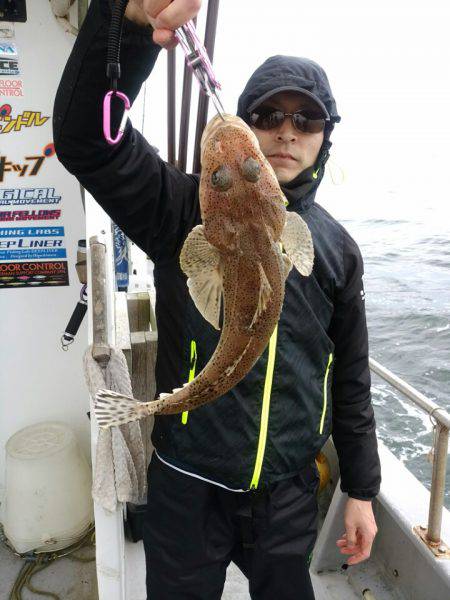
401	567
70	579
73	580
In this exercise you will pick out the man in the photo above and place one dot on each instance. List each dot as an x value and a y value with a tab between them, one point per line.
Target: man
235	479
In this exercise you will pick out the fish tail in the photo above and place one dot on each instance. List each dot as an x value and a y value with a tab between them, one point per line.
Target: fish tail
113	409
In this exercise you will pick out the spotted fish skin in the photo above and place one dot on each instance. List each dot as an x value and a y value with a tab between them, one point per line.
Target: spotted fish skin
244	223
234	257
231	216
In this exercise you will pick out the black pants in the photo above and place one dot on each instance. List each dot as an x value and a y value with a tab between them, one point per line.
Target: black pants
193	529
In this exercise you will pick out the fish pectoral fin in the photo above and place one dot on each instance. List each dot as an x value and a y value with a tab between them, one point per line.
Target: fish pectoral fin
206	292
297	242
265	292
201	262
287	264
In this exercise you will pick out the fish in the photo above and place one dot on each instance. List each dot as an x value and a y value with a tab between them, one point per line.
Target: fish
236	262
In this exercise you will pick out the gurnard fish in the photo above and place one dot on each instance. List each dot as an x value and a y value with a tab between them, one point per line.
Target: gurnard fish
240	256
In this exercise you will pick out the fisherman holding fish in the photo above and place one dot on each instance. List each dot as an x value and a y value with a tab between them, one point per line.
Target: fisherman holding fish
262	336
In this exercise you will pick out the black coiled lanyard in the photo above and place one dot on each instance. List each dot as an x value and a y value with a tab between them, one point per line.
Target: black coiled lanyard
113	73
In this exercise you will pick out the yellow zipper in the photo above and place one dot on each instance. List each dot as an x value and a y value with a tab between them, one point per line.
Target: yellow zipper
325	393
265	410
193	363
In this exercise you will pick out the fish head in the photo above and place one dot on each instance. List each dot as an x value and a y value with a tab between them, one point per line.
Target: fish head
237	182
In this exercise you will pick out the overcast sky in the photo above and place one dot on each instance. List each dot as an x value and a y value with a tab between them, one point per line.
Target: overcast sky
388	63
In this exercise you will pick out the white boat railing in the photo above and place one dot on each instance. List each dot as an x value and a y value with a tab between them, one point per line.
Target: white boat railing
432	534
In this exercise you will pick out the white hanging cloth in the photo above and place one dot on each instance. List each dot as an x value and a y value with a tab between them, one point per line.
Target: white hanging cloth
120	466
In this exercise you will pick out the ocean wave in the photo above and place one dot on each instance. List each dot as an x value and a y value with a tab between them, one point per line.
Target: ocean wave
437	240
389	222
437	261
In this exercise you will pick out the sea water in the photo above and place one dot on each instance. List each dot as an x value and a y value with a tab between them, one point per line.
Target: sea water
403	231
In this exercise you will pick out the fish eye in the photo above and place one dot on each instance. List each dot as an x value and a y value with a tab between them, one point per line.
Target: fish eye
251	169
222	179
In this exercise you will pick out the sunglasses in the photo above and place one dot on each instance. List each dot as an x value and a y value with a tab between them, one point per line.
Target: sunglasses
305	120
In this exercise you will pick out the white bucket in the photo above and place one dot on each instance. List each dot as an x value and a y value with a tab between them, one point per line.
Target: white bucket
48	502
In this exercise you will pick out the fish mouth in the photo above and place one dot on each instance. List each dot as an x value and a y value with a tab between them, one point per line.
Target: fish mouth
214	124
217	123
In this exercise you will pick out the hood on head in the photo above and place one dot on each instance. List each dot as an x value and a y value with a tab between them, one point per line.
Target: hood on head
283	73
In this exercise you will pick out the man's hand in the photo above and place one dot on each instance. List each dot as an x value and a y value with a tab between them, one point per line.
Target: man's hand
164	16
361	530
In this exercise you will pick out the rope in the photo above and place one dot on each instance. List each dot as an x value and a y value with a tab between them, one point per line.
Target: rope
24	580
36	562
61	10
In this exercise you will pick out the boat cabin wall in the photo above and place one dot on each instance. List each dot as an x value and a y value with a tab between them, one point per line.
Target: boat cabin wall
42	219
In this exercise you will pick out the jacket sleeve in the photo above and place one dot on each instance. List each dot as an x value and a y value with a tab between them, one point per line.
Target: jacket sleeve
154	203
354	424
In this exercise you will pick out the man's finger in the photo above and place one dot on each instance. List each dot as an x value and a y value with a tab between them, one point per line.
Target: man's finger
364	549
366	543
177	13
343	543
352	550
351	535
346	549
165	38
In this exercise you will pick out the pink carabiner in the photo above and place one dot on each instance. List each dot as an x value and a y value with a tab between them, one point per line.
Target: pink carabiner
107	116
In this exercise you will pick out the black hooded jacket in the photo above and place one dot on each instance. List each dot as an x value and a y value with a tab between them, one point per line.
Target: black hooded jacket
315	380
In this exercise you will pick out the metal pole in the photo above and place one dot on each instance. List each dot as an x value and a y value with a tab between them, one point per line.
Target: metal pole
100	347
171	106
428	405
432	535
184	117
210	36
438	485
